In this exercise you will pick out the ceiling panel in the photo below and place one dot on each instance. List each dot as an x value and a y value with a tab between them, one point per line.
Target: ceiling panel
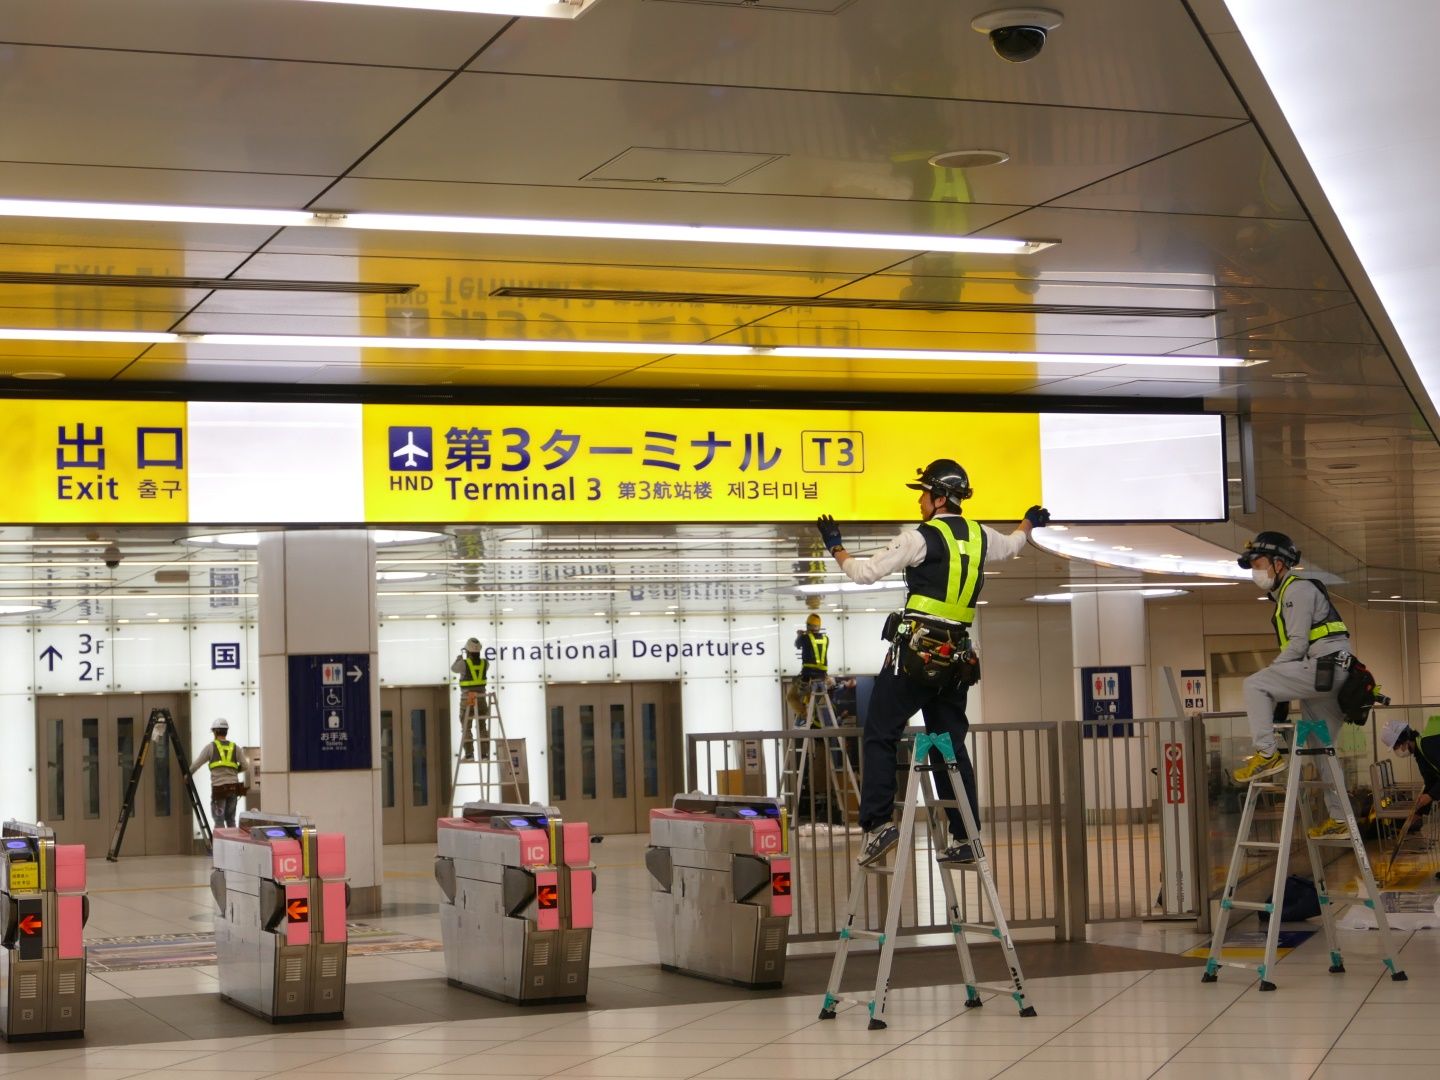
94	107
1231	174
843	145
189	187
272	29
1092	61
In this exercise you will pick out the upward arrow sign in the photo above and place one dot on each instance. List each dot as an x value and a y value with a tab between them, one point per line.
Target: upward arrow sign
50	655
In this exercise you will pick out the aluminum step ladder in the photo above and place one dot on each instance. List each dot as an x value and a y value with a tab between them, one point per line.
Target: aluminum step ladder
899	871
1312	741
840	779
489	774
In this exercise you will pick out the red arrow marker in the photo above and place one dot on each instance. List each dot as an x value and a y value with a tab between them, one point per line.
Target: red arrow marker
31	924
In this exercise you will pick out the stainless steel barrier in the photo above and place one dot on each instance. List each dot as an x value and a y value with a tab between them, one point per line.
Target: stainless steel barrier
1017	769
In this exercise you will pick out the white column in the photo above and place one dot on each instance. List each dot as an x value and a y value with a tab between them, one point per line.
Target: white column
1107	630
317	596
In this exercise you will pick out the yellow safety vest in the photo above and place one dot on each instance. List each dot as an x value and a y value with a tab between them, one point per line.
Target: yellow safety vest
819	651
224	756
1327	627
477	670
964	574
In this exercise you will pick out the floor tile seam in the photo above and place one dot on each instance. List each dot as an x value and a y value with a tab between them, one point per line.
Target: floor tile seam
1379	978
1000	994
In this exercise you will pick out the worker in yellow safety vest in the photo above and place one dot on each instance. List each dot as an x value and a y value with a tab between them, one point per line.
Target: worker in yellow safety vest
227	761
812	645
474	672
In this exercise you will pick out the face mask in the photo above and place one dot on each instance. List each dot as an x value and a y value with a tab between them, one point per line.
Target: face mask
1263	578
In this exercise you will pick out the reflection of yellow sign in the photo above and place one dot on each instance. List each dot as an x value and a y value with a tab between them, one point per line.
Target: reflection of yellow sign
24	877
542	464
94	462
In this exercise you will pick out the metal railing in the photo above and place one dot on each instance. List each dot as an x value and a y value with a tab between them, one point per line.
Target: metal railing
1017	771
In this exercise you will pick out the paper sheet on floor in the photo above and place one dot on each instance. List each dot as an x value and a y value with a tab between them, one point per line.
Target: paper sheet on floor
1404	910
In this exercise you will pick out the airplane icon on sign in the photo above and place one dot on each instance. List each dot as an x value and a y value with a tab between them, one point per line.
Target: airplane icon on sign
410	451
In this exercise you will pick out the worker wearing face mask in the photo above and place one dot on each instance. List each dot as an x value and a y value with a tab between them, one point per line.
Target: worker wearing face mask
1309	630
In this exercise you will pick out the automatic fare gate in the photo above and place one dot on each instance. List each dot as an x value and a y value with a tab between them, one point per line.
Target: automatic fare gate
280	935
42	963
518	909
721	895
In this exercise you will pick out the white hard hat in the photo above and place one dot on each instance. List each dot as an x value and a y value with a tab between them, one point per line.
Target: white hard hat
219	724
1392	731
473	644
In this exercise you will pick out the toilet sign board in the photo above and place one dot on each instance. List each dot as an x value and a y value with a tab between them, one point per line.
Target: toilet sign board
330	712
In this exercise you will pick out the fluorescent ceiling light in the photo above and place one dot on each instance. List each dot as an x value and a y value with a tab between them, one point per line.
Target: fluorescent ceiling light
1131	584
502	226
17	609
535	9
1065	597
252	539
633	348
619	541
849	586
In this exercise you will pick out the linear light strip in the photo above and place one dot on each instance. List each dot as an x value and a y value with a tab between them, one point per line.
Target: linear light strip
537	9
504	226
631	348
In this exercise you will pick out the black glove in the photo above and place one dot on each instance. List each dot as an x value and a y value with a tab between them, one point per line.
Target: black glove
829	532
1038	517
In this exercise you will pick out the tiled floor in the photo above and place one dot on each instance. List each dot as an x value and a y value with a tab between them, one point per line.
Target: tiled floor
402	1020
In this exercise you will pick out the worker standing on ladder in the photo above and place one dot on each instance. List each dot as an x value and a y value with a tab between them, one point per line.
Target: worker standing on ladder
474	671
1312	639
227	761
812	645
931	664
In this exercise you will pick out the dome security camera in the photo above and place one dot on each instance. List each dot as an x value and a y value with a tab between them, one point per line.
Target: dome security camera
1017	34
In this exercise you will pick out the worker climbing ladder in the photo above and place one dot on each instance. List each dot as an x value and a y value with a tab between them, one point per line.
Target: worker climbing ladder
1312	741
899	871
841	782
159	727
489	771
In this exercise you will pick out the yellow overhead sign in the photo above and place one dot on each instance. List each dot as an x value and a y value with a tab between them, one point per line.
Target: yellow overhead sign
464	463
93	462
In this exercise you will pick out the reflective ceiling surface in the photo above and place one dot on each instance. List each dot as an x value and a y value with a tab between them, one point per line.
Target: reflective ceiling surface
1127	144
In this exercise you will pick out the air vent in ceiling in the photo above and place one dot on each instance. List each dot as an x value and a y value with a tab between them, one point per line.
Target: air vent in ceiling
761	300
156	281
659	165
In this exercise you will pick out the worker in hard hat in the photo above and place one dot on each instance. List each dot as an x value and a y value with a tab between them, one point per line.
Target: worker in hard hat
474	672
1425	750
1309	630
227	761
812	645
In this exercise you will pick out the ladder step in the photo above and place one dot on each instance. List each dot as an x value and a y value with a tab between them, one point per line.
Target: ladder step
876	869
869	935
1250	905
1333	841
1266	845
977	928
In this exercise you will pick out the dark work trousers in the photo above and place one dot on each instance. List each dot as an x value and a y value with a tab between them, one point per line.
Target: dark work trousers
894	699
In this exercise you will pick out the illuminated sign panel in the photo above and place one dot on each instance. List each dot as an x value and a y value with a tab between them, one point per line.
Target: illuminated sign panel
343	463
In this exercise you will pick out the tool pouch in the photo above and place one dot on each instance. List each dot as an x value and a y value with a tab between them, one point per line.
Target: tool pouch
1359	693
1325	672
936	654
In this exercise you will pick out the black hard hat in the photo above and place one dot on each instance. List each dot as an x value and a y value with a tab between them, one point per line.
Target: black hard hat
944	476
1274	545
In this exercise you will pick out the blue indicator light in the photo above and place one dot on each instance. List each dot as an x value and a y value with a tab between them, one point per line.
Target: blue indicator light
277	834
16	845
772	811
745	811
519	822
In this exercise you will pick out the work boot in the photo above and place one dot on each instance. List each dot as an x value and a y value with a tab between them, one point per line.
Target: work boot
959	853
1258	766
877	842
1329	827
467	754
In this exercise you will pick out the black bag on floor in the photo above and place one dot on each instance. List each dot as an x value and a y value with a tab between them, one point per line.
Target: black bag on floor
1301	901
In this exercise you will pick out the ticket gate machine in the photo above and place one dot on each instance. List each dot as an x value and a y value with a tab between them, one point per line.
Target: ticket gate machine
280	934
518	909
721	890
42	962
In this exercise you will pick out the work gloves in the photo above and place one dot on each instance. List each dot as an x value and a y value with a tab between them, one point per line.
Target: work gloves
1038	517
829	532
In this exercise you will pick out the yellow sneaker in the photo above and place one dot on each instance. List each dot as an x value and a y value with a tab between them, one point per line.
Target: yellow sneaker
1329	827
1258	766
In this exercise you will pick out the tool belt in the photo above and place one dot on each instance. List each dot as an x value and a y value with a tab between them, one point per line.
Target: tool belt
1359	693
930	652
236	790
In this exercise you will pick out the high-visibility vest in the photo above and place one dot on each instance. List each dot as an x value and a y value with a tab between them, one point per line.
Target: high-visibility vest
947	587
819	652
476	671
224	756
1330	626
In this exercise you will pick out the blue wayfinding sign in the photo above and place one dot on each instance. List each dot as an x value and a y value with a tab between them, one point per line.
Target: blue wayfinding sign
330	712
1105	695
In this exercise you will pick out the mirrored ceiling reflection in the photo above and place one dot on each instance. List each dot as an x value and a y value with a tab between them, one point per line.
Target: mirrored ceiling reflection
134	576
